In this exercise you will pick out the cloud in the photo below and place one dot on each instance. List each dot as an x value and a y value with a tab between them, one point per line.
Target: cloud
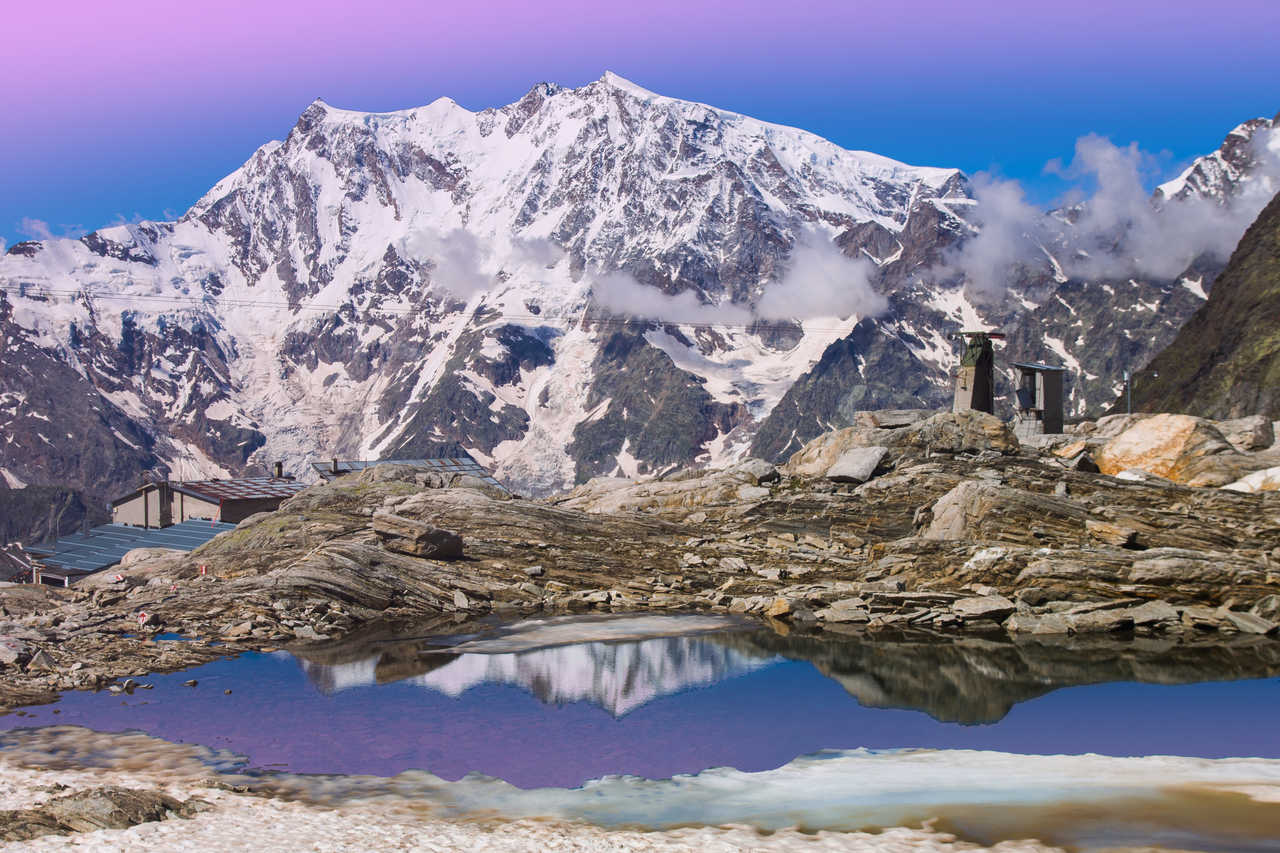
536	251
619	293
38	229
464	265
34	229
819	281
460	265
1108	225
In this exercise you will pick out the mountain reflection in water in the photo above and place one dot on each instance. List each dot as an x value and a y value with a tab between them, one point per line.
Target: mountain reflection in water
618	677
559	701
952	679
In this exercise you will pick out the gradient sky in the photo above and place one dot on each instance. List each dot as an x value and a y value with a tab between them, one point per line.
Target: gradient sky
132	109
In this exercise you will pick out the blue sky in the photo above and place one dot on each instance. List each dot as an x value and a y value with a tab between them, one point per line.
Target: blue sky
135	109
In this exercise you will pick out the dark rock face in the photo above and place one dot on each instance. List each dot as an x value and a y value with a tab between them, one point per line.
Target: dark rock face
658	413
847	379
1225	362
37	513
58	427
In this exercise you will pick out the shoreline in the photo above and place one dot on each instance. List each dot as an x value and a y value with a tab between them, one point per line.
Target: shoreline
228	810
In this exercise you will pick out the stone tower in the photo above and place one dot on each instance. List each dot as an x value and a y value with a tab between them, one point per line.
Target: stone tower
975	381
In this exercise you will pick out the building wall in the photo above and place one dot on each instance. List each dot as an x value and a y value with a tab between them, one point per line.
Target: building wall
1052	387
131	511
186	507
234	512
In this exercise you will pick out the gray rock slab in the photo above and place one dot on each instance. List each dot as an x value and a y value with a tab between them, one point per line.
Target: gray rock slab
856	465
1248	623
995	607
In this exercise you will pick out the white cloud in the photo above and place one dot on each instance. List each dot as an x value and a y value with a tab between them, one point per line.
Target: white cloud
619	293
821	282
34	229
1115	228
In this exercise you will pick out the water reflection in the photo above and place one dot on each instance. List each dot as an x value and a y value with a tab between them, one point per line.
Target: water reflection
618	677
952	679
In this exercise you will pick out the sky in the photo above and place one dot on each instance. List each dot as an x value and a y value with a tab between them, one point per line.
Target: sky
114	112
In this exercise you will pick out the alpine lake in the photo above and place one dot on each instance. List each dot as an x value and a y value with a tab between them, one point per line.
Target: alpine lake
663	721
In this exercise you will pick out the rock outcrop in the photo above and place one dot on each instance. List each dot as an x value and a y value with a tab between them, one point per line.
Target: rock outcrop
1180	448
957	530
93	809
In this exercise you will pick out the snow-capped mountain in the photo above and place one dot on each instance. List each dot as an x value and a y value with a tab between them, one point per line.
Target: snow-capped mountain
377	283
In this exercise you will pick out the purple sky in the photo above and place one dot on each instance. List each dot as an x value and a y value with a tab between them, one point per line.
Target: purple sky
134	108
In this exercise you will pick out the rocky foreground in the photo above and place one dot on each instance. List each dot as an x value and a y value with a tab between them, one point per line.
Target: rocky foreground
904	522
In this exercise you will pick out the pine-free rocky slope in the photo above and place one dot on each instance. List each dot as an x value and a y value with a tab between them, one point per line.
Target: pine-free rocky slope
1225	362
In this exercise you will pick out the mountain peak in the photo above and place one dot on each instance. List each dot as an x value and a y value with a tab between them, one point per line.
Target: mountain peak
616	81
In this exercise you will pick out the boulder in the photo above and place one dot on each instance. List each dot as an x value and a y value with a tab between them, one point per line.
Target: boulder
1100	621
967	431
141	555
978	511
1247	434
995	607
484	487
778	608
1038	623
947	432
12	650
1153	615
41	660
857	464
890	418
1266	480
1180	448
1268	607
1203	618
242	629
407	536
757	470
1109	426
817	457
1249	623
845	610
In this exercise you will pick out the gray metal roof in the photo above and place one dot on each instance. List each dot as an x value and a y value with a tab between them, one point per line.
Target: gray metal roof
464	464
240	488
104	546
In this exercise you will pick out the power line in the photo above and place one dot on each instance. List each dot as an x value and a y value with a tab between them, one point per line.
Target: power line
234	302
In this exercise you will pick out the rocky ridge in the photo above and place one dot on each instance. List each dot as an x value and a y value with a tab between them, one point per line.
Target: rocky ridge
1225	362
957	528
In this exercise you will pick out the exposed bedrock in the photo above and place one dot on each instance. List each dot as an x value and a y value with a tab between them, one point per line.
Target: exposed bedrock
958	529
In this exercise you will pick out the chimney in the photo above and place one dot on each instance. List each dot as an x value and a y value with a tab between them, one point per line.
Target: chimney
334	468
279	471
